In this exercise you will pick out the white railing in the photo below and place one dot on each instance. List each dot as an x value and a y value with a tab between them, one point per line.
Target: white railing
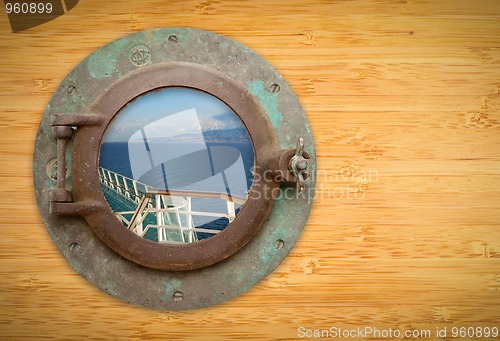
125	187
171	210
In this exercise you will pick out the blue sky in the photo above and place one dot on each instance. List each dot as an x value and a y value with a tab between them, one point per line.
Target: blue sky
211	114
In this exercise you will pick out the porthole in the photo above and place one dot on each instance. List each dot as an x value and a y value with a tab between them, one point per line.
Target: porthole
177	157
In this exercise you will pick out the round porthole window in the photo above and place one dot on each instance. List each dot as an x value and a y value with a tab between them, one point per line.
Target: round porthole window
175	165
179	158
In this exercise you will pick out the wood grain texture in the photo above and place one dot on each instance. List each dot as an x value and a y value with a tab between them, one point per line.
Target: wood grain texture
403	98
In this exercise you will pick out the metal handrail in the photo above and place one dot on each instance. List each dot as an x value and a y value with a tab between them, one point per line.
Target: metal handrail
200	194
108	181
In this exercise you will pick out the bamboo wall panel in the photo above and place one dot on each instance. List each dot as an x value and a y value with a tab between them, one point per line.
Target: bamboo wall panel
403	99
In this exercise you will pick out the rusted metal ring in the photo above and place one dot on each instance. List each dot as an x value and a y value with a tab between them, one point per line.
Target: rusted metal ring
79	98
162	256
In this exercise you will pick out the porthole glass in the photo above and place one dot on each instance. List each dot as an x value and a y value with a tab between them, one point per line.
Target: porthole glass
175	165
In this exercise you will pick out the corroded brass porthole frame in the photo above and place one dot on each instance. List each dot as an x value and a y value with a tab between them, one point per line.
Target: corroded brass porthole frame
171	276
87	141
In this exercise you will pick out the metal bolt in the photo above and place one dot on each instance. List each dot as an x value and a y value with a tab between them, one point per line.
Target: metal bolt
301	164
71	90
74	246
275	88
278	244
173	38
178	296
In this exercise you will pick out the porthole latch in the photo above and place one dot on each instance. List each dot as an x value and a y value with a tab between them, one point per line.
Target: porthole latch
299	164
292	166
61	199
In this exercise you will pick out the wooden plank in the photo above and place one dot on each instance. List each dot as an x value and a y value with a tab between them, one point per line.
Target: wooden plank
403	99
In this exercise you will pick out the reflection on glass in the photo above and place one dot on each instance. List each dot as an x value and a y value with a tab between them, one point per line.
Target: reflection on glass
175	165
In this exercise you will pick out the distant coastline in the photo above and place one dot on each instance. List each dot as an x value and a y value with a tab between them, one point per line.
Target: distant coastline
236	135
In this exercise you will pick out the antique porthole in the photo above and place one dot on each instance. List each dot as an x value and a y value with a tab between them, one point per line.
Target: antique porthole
174	168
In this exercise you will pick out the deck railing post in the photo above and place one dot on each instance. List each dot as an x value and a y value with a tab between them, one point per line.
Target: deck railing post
111	185
230	210
104	178
127	194
159	218
189	220
108	180
136	192
118	188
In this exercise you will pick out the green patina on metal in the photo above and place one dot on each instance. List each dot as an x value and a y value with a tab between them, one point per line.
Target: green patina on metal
268	100
101	64
170	287
203	287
